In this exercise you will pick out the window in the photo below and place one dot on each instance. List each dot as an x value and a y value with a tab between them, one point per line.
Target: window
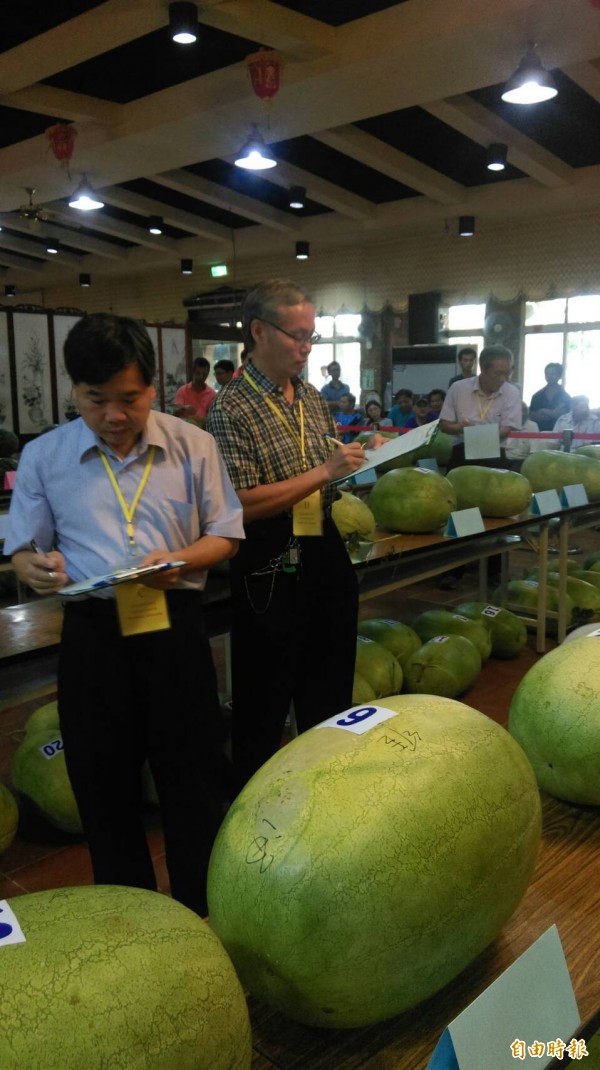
465	326
340	342
565	330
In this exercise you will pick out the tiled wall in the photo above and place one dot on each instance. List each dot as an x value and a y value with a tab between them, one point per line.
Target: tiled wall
538	258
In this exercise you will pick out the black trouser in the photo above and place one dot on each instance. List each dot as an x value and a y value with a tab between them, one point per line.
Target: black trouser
293	638
122	700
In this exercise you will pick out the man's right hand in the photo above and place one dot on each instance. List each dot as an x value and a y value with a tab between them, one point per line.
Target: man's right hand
44	573
344	460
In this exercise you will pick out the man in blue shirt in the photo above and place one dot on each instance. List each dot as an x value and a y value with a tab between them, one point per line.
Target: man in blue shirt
127	485
333	391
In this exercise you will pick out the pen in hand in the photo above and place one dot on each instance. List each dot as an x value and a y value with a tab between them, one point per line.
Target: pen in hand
337	442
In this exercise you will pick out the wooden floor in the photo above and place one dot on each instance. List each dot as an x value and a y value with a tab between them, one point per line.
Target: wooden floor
565	888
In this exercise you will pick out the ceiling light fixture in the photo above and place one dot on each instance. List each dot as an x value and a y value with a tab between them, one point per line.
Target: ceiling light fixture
297	197
496	157
187	267
531	83
155	224
302	250
85	280
52	245
466	226
9	290
254	154
183	22
84	197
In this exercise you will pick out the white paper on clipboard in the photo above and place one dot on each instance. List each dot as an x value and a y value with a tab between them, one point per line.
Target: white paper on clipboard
119	575
395	447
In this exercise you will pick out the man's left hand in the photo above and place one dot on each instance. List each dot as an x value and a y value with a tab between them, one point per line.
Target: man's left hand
161	581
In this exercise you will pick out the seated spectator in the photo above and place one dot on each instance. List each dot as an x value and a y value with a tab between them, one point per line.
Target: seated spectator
517	449
436	400
420	413
195	398
224	370
374	415
401	410
347	416
579	419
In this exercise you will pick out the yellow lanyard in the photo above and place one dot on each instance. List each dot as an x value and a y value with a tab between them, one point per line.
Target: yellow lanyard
483	412
129	510
280	416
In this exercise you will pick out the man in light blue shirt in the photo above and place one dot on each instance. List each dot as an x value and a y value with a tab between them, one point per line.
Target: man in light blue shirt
333	391
126	485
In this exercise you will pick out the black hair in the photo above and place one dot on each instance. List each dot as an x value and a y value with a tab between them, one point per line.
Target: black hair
101	345
224	365
200	362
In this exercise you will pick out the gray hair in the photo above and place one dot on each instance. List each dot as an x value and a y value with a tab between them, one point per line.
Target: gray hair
491	353
265	301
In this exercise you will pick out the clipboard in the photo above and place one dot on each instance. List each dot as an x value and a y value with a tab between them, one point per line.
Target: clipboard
118	575
395	447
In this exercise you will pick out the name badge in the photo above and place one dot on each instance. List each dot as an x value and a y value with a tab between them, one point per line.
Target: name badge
308	516
141	609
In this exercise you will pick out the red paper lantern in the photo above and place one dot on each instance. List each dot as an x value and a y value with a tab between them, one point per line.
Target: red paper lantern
265	73
62	141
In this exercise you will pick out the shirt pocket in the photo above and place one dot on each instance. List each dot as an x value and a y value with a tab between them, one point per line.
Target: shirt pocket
180	521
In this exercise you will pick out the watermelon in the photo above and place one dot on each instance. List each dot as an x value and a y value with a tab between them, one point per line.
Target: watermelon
45	717
592	561
9	818
439	622
525	595
507	631
494	491
591	449
352	516
378	667
120	978
446	665
555	716
39	773
397	637
552	469
362	868
589	575
412	500
439	447
361	690
582	594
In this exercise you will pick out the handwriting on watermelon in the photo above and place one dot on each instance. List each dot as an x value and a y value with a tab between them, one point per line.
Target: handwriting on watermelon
402	740
260	852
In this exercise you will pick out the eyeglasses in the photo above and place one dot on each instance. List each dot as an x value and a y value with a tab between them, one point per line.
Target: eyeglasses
297	336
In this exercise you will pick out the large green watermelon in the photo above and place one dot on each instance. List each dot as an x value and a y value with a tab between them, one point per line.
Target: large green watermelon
494	491
39	773
352	517
412	500
397	637
362	868
9	818
45	717
525	594
552	469
439	622
118	979
445	665
439	447
507	631
555	716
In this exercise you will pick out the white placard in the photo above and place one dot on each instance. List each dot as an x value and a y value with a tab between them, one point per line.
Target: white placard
359	719
10	930
482	441
52	748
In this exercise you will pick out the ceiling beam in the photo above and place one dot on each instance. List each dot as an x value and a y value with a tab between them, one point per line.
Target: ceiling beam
70	235
36	248
136	202
321	191
481	125
77	107
586	76
374	153
105	224
228	200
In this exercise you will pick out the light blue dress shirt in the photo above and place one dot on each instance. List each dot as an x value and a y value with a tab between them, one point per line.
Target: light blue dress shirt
64	499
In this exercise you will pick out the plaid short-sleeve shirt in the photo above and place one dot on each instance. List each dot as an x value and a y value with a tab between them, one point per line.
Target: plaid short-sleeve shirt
256	446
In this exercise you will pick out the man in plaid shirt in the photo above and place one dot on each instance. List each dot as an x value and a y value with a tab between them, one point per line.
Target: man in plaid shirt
294	591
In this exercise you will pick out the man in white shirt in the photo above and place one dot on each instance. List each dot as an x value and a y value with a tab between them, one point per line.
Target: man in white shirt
486	398
579	420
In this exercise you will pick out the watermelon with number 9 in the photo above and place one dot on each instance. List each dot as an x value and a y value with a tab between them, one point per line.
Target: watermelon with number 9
370	860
